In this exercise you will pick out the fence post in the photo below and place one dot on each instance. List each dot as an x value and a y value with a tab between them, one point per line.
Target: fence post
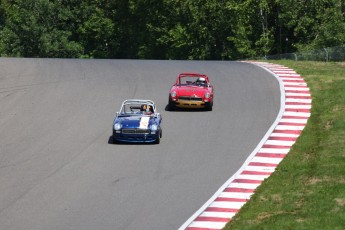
326	54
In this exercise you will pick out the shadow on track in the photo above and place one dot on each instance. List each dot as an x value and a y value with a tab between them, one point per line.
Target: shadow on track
176	109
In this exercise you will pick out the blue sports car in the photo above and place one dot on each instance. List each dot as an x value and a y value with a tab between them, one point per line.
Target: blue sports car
137	121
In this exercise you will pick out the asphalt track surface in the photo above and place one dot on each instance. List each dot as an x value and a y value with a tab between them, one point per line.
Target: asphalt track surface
58	171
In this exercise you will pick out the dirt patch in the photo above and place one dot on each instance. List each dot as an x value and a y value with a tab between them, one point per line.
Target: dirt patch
340	201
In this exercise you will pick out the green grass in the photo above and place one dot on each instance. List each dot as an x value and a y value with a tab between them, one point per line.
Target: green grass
307	190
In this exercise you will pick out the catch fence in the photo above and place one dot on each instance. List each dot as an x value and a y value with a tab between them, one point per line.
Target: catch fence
335	54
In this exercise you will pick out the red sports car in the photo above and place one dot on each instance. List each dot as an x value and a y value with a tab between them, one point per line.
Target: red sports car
191	90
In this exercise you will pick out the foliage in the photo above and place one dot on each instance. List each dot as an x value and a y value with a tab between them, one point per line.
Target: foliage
168	29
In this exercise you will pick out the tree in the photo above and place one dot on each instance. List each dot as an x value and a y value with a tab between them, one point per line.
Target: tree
96	33
34	28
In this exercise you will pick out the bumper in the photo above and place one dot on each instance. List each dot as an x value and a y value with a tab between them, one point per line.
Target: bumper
190	104
135	138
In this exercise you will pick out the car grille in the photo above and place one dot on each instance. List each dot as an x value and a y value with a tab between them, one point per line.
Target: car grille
135	131
190	98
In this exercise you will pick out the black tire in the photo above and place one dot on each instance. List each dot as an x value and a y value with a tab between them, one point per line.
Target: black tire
115	141
209	106
171	106
112	139
158	140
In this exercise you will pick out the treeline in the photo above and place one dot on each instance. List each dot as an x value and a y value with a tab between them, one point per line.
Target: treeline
168	29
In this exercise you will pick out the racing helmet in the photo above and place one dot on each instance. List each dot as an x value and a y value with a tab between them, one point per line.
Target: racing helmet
201	80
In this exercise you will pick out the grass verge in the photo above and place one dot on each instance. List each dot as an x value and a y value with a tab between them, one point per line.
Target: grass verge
307	190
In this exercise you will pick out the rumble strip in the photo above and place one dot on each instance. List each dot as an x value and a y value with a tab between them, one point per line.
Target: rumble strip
291	120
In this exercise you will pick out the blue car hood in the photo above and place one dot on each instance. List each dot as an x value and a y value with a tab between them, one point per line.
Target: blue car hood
134	122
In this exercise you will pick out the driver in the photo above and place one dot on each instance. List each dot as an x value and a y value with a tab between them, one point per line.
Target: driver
147	109
201	80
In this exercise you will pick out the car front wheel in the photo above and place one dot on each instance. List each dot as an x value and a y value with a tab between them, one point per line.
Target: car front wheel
171	106
208	106
158	140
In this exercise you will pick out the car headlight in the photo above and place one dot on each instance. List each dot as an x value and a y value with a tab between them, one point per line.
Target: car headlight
207	95
117	126
173	94
154	127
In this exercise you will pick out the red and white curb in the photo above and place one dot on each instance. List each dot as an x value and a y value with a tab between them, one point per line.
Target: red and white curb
262	162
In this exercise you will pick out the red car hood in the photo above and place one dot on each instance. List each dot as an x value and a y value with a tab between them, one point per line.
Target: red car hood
184	90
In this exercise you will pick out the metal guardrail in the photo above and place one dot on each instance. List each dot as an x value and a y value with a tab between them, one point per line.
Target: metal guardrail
336	53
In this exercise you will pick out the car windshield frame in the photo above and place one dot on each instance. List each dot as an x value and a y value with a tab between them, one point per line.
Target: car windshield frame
133	108
191	80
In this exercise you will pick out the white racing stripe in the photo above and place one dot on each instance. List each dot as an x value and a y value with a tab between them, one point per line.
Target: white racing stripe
144	122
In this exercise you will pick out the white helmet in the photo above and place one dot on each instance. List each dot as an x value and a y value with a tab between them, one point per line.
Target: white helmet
201	80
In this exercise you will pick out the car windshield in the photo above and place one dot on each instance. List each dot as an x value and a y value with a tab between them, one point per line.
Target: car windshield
192	80
137	109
